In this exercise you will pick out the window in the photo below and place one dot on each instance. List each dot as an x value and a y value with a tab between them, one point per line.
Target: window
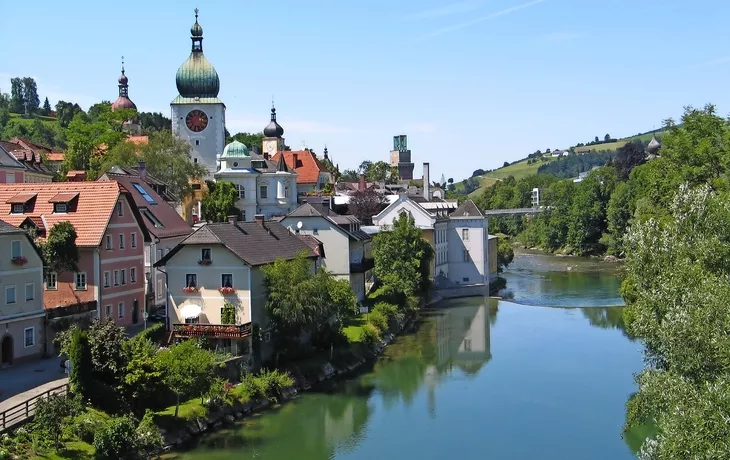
147	197
191	280
52	281
30	291
263	191
133	240
197	141
121	241
227	280
132	275
155	221
106	279
120	209
465	280
108	311
465	234
18	208
120	310
80	278
205	254
286	191
60	207
29	337
9	295
116	277
15	249
241	191
9	178
195	160
466	255
315	231
194	320
108	242
124	276
159	289
159	254
467	344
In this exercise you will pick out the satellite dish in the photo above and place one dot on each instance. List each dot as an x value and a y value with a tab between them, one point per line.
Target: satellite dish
299	225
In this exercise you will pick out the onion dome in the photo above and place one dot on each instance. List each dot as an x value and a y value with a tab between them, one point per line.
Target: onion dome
235	149
273	129
123	101
197	77
652	149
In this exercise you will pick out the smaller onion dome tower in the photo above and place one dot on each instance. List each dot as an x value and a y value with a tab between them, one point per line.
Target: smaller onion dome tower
652	150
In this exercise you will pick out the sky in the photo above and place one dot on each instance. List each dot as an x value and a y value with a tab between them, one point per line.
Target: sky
472	83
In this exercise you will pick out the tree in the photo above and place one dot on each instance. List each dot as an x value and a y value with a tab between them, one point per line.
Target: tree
365	166
251	140
505	164
364	204
596	141
106	342
143	376
30	95
676	292
228	313
505	254
4	100
188	369
88	140
116	439
628	157
65	113
169	160
377	172
607	137
46	107
350	175
402	257
99	111
59	250
80	377
220	201
53	414
4	117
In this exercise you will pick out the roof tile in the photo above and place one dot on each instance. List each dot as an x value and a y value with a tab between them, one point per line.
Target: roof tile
307	165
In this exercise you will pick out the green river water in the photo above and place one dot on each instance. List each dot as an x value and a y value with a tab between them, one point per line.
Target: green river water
544	375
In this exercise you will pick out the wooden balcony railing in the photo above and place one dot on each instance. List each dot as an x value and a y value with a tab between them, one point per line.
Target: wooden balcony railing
362	266
213	331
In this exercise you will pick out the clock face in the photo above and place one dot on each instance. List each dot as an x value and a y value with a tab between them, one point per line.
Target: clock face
270	147
196	121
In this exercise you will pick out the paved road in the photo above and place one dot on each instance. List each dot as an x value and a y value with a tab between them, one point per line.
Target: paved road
19	415
24	377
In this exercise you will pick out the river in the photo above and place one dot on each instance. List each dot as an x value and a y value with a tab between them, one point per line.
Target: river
545	375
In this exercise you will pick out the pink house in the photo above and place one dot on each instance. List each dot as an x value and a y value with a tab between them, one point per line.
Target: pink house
111	239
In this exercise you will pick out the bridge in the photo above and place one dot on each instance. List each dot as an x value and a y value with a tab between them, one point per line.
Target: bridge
513	212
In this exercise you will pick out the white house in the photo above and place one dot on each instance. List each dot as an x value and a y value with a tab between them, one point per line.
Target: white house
348	249
263	186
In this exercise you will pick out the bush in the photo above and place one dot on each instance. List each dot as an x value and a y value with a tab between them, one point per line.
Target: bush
413	303
379	320
117	439
274	381
251	387
220	394
149	438
86	424
370	334
497	285
390	311
154	332
52	415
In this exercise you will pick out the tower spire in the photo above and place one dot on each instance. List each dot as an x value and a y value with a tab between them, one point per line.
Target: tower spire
196	34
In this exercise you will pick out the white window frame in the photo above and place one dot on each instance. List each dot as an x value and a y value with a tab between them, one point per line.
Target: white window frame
123	276
15	295
120	209
60	208
121	241
52	276
132	275
107	279
210	254
264	191
196	279
133	239
465	234
120	310
116	277
229	274
109	243
467	256
78	287
16	244
109	311
32	286
25	337
241	191
18	208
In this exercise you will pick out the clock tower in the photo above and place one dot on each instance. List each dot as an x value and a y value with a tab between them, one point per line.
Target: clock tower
198	116
273	140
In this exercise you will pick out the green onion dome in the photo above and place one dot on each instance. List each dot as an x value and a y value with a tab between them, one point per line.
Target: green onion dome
235	149
197	77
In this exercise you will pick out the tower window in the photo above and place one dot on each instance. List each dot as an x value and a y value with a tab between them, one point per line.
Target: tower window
195	160
197	141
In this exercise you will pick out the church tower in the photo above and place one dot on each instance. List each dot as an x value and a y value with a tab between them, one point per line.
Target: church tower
198	116
273	142
131	127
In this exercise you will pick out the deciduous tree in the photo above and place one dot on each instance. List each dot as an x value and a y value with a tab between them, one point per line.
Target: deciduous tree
220	201
60	250
364	204
188	369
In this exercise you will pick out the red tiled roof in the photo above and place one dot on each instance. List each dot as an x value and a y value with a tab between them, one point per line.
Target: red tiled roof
21	198
138	140
28	154
307	166
63	197
55	156
94	207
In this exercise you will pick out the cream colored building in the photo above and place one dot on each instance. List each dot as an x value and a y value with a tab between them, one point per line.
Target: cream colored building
22	316
219	263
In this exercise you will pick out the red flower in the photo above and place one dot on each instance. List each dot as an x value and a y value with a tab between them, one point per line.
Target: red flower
19	260
226	290
190	289
205	262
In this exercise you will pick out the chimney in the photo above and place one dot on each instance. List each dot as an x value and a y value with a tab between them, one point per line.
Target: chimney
142	169
426	182
259	219
266	155
296	159
232	219
362	182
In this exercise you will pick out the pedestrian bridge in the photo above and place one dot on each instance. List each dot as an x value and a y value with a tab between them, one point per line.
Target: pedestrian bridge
513	212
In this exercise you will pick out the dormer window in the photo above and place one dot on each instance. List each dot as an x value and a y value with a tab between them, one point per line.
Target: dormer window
18	208
60	207
64	201
22	202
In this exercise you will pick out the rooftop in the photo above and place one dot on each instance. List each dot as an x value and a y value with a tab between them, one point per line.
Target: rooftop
307	165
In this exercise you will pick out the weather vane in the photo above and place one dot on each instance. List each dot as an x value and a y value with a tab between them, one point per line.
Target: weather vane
196	14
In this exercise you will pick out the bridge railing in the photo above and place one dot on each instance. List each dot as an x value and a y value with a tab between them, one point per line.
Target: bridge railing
24	411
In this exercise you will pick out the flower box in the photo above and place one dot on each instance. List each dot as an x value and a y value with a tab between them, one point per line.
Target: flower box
226	290
205	262
19	260
189	289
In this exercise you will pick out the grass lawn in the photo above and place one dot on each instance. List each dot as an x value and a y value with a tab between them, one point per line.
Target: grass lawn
19	117
74	450
188	410
353	328
518	170
620	143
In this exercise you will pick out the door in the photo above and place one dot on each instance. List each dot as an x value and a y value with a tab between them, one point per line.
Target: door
6	351
135	311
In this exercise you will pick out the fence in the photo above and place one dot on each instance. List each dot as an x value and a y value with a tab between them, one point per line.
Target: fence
24	411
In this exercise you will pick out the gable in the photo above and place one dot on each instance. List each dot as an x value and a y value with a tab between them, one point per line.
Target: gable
422	218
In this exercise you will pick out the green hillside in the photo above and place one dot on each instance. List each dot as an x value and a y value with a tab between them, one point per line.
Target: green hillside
522	169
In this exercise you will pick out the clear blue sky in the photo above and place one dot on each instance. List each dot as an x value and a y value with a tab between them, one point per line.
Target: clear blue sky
472	83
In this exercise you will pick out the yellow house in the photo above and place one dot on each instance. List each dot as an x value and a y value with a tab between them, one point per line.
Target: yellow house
22	316
218	265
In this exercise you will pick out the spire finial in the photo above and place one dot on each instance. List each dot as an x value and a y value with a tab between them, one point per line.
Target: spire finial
122	65
196	14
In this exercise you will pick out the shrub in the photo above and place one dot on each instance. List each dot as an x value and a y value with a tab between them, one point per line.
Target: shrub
117	439
413	303
370	334
251	387
85	424
149	438
220	394
497	285
154	332
52	415
379	320
274	381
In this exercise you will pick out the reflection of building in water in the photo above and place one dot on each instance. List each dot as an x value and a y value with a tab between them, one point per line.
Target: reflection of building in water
462	339
338	427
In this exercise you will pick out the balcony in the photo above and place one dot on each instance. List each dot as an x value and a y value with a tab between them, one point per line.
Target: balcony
212	331
362	266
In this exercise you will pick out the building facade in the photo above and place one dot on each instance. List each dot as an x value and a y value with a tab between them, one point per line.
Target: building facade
22	317
400	157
